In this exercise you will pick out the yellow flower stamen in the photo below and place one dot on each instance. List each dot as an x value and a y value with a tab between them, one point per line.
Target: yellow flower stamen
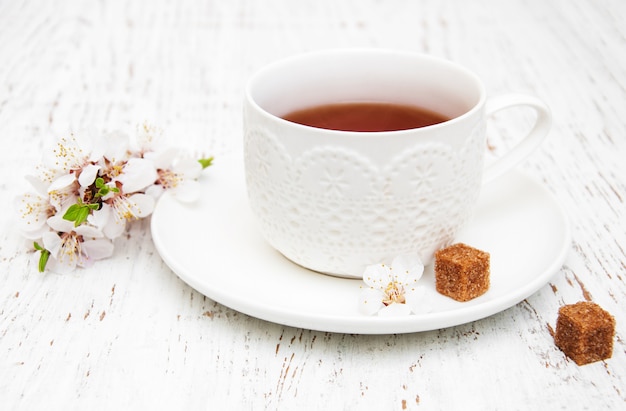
168	178
394	293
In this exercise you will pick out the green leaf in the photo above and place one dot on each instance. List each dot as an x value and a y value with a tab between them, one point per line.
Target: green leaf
43	260
82	215
72	213
102	192
206	162
104	189
78	213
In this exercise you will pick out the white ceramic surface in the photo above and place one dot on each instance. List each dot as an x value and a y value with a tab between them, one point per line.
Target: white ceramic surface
215	247
337	201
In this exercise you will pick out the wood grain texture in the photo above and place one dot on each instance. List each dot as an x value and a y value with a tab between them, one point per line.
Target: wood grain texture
128	334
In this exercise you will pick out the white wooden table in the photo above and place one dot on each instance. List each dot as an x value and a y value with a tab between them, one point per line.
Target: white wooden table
129	334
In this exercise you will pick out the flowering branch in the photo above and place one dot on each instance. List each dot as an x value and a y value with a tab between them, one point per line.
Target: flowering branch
87	193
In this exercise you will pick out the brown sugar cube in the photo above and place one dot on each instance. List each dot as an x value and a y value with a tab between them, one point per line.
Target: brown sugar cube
461	272
584	332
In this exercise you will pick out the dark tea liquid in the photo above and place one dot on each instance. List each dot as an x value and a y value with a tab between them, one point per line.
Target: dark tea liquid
366	116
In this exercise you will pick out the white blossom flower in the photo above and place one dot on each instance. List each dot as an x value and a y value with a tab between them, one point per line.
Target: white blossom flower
175	174
85	176
115	147
68	167
66	155
33	210
120	209
136	175
63	192
147	139
73	246
393	290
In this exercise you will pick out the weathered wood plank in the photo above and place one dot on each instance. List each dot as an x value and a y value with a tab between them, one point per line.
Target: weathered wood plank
128	333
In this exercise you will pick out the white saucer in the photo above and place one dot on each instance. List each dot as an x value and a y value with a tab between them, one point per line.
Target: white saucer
213	245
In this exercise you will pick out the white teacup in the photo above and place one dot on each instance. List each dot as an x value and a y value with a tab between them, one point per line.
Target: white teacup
337	201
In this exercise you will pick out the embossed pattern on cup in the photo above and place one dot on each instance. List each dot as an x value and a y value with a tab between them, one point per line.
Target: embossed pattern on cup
334	210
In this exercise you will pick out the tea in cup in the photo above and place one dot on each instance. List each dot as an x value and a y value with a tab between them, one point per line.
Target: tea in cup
353	157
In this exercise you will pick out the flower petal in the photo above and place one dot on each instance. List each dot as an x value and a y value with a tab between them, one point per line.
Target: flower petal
62	182
395	310
418	300
408	268
97	249
88	231
138	174
58	223
99	218
377	276
155	191
370	301
188	191
88	175
163	158
35	234
64	154
114	228
189	167
142	204
51	242
113	224
114	147
38	184
32	210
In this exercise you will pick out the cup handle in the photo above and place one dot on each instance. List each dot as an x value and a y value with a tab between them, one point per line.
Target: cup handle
529	143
